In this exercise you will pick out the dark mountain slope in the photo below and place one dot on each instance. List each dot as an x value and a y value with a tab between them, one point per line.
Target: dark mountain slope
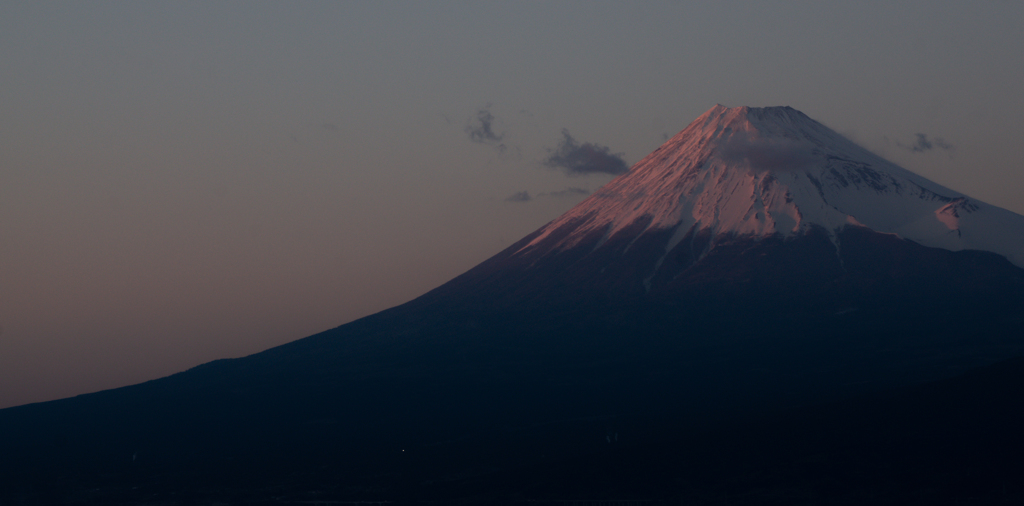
465	384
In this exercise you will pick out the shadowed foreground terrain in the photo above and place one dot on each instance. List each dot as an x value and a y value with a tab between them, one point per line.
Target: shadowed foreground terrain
956	441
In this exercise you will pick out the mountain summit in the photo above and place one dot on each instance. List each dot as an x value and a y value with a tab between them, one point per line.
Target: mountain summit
738	179
758	172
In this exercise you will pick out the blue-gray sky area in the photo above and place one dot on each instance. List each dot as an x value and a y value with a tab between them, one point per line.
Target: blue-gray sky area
187	181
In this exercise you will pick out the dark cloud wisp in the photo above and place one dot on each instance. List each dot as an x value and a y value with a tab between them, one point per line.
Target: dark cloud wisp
523	196
922	144
481	131
568	192
580	159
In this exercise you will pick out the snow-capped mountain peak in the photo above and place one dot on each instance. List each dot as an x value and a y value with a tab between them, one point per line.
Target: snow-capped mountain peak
748	172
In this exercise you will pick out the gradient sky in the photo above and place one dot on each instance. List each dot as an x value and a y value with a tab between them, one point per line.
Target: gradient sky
187	181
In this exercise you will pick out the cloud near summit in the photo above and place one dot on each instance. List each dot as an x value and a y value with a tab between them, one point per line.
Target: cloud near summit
485	128
767	154
481	131
587	158
922	143
523	196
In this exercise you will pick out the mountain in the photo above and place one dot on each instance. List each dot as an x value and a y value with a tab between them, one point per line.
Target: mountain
749	176
756	265
757	173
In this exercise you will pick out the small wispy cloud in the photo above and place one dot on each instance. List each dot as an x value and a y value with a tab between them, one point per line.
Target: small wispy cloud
568	192
922	143
481	129
586	158
523	196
